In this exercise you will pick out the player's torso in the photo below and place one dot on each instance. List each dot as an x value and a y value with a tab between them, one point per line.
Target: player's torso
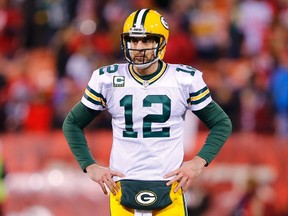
145	108
147	117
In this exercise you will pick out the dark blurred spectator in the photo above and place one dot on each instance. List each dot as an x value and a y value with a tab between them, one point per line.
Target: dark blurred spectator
248	107
79	66
254	18
3	101
64	97
279	92
60	45
180	44
114	13
42	18
180	7
262	65
277	38
16	109
41	73
235	34
208	28
11	25
164	4
198	201
263	109
249	83
227	93
255	201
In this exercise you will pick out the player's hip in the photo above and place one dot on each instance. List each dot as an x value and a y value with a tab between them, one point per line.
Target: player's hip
152	197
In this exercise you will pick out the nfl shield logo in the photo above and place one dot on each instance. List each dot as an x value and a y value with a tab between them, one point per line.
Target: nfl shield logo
146	83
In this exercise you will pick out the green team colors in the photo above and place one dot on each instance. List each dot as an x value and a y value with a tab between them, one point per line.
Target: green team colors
147	115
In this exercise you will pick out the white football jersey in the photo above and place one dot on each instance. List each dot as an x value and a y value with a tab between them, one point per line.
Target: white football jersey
147	115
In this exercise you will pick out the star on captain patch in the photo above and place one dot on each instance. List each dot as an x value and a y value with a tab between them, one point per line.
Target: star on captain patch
118	81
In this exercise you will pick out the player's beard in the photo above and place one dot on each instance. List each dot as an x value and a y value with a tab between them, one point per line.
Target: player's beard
141	60
142	57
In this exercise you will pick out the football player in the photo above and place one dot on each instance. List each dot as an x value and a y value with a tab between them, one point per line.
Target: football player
147	99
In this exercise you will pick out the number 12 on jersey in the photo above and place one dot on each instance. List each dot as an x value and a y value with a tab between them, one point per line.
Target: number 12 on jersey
149	119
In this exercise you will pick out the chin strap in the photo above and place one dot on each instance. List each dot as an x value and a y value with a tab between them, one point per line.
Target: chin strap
146	65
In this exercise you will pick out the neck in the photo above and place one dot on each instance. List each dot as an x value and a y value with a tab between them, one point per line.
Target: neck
146	71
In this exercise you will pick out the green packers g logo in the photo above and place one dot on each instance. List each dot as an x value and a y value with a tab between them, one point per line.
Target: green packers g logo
118	81
146	198
164	22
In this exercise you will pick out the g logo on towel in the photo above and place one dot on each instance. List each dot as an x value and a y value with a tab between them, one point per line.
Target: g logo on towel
146	198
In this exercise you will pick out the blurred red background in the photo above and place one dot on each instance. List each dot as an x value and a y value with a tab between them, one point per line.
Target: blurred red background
42	175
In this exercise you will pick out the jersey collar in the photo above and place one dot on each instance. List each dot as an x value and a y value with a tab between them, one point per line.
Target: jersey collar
148	79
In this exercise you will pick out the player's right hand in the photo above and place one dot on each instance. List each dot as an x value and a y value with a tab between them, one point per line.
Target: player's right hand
103	176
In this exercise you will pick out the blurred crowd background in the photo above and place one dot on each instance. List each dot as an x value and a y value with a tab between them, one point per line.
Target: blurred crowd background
49	49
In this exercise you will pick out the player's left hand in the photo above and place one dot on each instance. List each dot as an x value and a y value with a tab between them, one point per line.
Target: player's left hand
186	174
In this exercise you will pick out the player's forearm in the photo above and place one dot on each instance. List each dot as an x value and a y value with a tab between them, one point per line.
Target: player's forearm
220	129
215	140
73	128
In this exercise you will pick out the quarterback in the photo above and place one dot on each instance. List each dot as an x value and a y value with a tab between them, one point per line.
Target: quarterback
147	99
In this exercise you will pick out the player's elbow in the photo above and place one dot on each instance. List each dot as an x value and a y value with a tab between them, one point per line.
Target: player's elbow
228	125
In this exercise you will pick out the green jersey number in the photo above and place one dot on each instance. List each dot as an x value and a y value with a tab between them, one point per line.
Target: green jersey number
164	100
186	69
108	69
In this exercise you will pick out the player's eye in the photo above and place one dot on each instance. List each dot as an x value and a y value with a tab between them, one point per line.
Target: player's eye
147	40
144	40
134	40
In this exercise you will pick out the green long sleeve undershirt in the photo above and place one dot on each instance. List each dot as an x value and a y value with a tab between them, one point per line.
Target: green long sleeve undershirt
81	116
73	128
220	128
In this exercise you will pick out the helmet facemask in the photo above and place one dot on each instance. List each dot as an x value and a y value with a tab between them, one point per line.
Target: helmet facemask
157	49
